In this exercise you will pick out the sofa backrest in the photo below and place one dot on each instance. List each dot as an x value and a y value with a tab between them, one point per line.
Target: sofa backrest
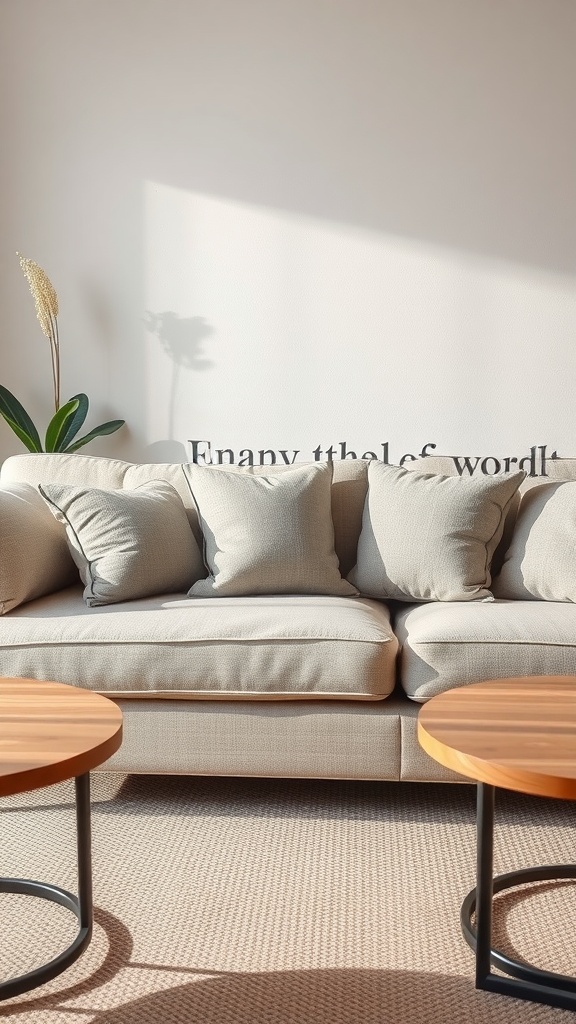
350	482
349	486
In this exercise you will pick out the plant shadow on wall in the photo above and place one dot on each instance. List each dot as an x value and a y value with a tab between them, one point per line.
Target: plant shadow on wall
62	430
181	338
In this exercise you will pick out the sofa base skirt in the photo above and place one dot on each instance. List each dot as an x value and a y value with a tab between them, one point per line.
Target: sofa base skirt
284	739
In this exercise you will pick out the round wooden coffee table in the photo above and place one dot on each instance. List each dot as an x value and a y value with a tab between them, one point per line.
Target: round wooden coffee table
518	734
50	732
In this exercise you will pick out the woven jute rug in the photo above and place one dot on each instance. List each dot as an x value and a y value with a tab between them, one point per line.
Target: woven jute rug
263	901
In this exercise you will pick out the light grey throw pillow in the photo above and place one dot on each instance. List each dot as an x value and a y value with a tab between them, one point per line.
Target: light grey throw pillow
266	534
34	556
429	537
127	544
540	564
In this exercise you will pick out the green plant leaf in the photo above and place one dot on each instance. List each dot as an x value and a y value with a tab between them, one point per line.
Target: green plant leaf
18	419
104	428
58	425
73	425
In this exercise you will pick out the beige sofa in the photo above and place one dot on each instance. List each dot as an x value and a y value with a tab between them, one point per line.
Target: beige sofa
296	685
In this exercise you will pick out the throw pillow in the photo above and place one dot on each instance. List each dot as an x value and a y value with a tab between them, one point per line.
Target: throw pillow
34	556
429	537
266	534
127	544
540	563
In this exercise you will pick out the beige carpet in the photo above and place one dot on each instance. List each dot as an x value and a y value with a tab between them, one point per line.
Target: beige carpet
254	901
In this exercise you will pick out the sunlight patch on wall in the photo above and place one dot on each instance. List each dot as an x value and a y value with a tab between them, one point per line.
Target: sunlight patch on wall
268	329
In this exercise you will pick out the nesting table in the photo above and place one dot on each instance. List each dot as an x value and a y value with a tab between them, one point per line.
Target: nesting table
50	732
517	734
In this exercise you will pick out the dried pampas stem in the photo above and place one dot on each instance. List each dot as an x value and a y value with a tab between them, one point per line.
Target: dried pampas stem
46	300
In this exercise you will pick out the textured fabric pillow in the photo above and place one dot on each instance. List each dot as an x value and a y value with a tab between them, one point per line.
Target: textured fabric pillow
266	534
127	544
34	556
540	563
428	537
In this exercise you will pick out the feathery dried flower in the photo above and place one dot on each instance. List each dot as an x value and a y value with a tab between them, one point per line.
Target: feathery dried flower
62	430
46	300
43	293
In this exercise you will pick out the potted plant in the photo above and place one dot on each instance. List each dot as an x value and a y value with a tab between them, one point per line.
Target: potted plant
62	430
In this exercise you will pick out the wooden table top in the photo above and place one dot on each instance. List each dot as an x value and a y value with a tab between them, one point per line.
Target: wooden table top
515	733
50	732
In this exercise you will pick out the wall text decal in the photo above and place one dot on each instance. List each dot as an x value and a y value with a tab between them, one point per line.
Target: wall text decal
534	464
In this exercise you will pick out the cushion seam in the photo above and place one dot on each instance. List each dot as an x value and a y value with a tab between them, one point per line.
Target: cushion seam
499	643
256	694
190	642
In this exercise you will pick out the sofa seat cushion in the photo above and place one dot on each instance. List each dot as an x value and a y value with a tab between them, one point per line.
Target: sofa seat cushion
172	646
448	645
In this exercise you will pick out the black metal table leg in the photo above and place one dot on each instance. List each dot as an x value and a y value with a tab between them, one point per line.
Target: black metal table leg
525	981
80	905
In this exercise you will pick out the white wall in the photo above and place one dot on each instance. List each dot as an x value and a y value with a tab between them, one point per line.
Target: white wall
290	223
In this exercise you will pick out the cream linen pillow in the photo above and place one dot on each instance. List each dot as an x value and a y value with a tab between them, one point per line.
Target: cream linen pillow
428	537
34	556
127	544
540	563
266	534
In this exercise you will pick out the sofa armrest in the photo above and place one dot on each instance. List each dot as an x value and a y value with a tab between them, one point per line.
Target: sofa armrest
34	555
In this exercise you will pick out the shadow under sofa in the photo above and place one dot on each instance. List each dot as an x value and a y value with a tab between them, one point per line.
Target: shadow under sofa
293	686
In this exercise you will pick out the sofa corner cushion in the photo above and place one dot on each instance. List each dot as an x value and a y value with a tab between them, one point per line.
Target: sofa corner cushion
272	647
269	534
430	537
445	645
34	556
540	563
127	544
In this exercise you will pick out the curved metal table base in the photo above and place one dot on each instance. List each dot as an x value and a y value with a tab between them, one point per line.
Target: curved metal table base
525	981
80	905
